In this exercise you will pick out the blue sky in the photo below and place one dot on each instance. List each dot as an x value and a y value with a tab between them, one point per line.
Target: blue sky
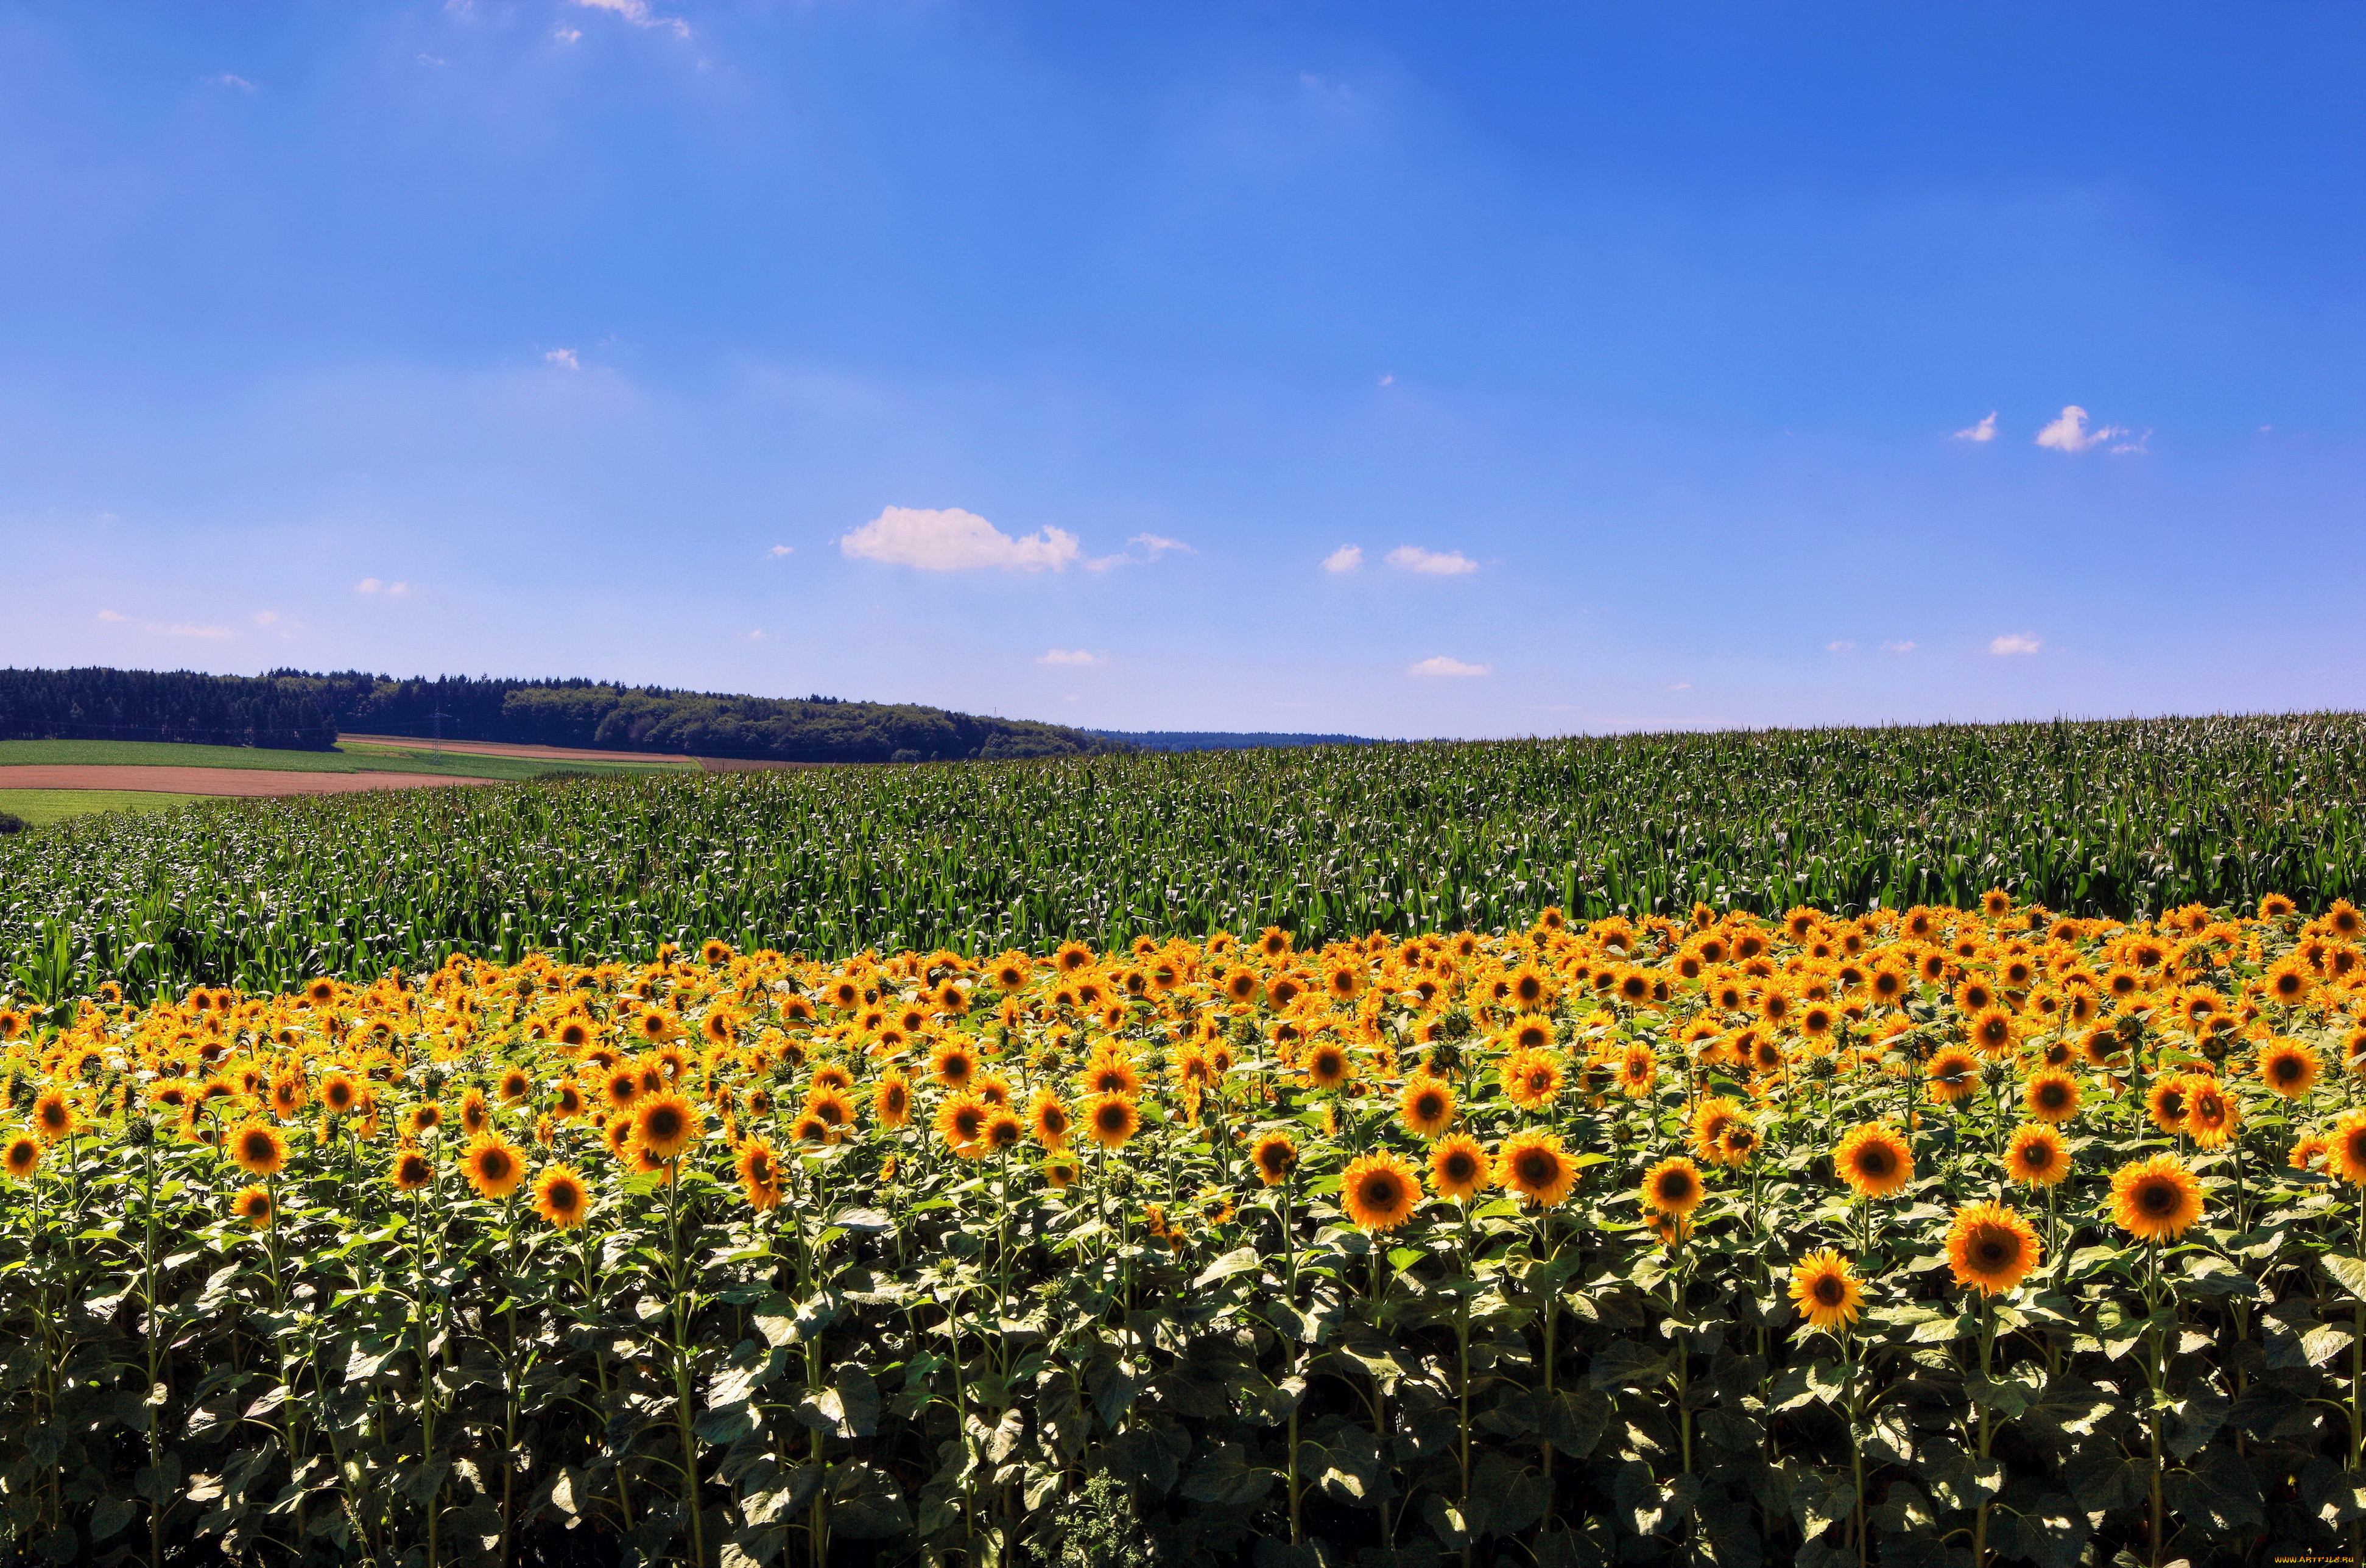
1402	369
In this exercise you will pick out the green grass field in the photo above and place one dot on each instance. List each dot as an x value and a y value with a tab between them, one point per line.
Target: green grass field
344	759
39	807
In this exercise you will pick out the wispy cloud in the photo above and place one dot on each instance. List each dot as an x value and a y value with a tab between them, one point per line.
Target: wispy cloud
562	359
2136	447
954	540
1389	379
430	59
638	13
1432	563
759	635
113	616
568	35
1071	657
371	585
186	629
228	79
2016	642
1346	557
1441	665
1840	648
1156	545
777	552
2069	433
1681	686
1984	431
1898	648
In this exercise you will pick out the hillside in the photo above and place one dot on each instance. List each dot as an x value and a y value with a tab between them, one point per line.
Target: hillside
1225	740
298	710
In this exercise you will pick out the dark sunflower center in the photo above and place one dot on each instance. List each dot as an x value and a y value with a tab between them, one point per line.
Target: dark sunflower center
1536	1168
1997	1250
1874	1161
2157	1198
1829	1291
1460	1167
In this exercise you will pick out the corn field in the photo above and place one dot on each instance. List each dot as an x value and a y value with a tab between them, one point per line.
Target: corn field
1916	1236
2114	819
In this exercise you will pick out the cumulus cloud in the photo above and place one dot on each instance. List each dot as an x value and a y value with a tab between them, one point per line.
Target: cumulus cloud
1441	665
1433	563
2016	642
1898	648
1346	557
568	35
113	616
2069	433
562	359
638	13
371	585
1067	656
954	540
1984	431
777	552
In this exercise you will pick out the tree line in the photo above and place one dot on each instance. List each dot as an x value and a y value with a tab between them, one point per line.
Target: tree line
296	709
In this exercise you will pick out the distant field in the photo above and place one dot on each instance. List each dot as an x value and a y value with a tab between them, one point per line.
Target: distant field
42	806
353	758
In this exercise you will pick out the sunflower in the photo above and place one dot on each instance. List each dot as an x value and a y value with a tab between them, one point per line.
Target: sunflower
1460	1168
1638	1067
561	1198
891	1103
2053	1095
1111	1119
2210	1113
493	1165
258	1149
1049	1119
411	1171
1874	1160
1426	1107
53	1116
1669	1229
1379	1190
952	1064
1532	1079
1535	1165
1990	1247
2037	1155
665	1125
1737	1143
760	1174
2288	1067
475	1114
1672	1187
338	1093
1529	1033
830	1106
2307	1151
253	1206
1993	1032
2157	1199
1826	1291
21	1155
960	1121
2166	1104
1109	1073
2348	1148
1327	1065
1275	1157
1060	1172
1003	1132
1953	1073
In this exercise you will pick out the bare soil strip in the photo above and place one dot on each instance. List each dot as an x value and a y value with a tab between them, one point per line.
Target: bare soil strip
252	782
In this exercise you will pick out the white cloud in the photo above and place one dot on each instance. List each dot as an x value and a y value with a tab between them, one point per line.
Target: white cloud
1441	665
777	552
1898	648
263	617
1984	431
1433	563
637	12
227	80
2016	642
759	635
954	540
1068	656
1840	648
2069	433
113	616
1389	379
1346	557
2141	446
1682	686
563	358
1157	545
568	35
391	589
431	60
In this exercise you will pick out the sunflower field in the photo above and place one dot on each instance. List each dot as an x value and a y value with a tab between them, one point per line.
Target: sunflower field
1933	1236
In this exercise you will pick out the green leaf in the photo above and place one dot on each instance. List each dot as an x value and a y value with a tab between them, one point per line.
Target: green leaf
110	1516
1224	1479
1240	1260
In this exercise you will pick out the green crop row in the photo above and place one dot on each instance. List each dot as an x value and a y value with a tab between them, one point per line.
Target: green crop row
2121	817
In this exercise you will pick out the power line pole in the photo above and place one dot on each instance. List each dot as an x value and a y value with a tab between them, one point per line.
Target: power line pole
439	716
